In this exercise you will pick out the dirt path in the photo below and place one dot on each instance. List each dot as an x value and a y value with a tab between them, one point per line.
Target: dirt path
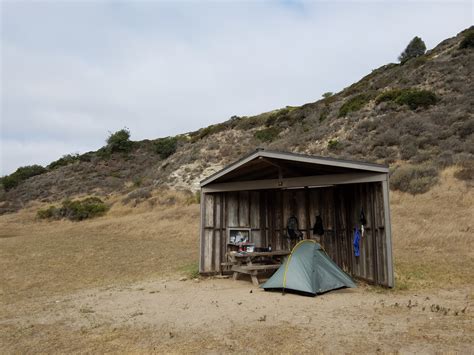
223	316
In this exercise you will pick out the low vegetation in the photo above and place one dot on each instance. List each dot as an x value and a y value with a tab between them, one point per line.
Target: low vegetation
354	104
413	98
267	134
119	141
468	39
75	210
21	174
63	161
414	179
466	171
334	144
166	147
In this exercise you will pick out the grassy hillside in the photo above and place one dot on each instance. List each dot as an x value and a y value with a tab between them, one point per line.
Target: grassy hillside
418	117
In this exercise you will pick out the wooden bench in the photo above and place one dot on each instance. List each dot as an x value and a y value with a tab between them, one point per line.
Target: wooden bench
260	267
252	270
251	263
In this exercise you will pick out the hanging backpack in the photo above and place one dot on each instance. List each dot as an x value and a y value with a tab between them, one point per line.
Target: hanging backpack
292	228
318	228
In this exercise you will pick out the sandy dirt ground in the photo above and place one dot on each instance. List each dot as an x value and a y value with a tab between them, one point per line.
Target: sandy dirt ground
111	285
221	315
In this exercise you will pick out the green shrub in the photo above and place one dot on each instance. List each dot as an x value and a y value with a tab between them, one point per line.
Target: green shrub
77	210
120	141
267	134
324	114
21	174
48	213
333	144
354	104
416	98
390	95
415	48
468	39
414	179
277	117
327	94
166	147
212	129
63	161
413	98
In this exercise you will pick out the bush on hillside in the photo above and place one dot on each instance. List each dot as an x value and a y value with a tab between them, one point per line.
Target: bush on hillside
77	210
413	98
63	161
417	98
277	117
166	147
415	48
468	39
466	172
138	195
408	147
334	144
21	174
267	134
390	95
354	104
212	129
119	141
414	179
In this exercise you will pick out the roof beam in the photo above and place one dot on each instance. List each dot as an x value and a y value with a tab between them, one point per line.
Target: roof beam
292	157
306	181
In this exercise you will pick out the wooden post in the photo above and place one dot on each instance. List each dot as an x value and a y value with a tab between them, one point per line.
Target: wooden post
388	233
308	216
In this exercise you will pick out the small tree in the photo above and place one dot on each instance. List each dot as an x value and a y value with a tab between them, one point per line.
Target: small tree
415	48
327	94
166	147
119	141
468	39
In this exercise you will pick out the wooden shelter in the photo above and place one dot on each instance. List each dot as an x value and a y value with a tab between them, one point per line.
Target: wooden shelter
261	191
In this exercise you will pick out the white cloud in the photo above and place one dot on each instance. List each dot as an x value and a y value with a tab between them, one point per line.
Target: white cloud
74	71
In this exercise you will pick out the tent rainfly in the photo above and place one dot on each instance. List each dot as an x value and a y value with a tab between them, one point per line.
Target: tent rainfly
260	192
308	270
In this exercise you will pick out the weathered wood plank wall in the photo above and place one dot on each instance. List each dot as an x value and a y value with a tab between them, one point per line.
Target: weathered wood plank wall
266	212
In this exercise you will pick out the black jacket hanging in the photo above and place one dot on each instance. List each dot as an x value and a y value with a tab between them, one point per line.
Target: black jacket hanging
318	228
363	221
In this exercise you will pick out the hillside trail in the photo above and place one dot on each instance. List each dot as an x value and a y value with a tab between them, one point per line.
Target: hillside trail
221	315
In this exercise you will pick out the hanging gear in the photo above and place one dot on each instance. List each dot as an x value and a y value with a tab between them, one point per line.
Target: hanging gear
363	220
318	228
292	229
356	242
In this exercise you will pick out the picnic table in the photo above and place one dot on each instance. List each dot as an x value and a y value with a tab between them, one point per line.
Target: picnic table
253	263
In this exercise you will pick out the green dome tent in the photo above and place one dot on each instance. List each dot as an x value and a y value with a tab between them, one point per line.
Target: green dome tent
308	270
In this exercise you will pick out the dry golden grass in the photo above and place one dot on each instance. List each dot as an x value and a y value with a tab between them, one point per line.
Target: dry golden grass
128	244
433	235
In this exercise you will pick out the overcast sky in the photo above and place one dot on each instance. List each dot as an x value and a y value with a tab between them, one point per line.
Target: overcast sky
73	71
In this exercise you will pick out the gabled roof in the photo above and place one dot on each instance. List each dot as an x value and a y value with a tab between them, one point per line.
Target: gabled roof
264	164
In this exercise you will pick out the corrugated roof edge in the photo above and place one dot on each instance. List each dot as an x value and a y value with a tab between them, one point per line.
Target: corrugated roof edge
281	155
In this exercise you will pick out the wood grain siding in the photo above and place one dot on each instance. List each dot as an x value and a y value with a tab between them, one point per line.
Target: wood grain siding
267	211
